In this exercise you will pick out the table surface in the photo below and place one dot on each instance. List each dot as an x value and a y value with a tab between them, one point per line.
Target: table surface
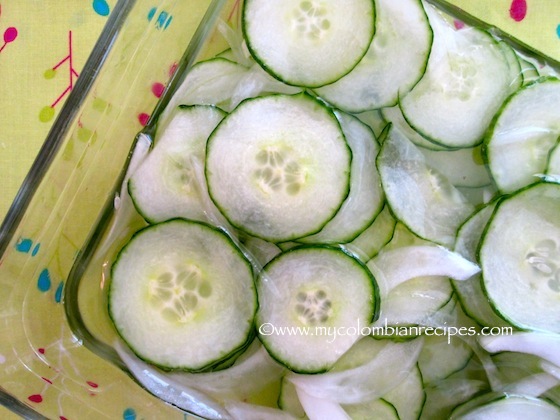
45	45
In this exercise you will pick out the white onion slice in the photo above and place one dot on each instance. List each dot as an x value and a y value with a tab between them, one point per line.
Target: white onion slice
319	408
546	346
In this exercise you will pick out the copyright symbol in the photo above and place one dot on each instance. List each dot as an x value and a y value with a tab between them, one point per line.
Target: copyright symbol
266	329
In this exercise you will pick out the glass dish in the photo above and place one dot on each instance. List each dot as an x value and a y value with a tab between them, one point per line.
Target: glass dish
54	357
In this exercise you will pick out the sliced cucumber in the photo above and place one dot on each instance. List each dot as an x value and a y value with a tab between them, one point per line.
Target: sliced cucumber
182	295
516	75
402	236
516	367
520	258
388	69
466	81
260	249
380	408
308	43
442	356
369	370
408	397
288	399
238	382
394	116
413	303
553	166
469	292
479	196
374	120
419	196
256	82
505	406
210	82
462	167
527	127
443	396
368	243
165	185
365	199
542	344
278	167
307	293
528	70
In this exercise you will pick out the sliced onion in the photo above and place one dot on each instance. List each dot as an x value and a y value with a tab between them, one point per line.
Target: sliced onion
533	385
406	263
319	408
253	371
544	345
373	379
170	390
245	411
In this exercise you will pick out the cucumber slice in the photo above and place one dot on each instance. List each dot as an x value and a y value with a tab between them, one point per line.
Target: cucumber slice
368	243
520	258
466	81
365	199
260	249
278	167
210	82
238	382
506	406
165	185
408	397
383	410
374	120
256	82
394	116
462	167
443	396
442	356
182	295
402	236
524	132
553	166
469	292
388	69
311	43
542	344
516	367
479	196
419	196
307	293
528	70
413	303
516	75
369	370
288	399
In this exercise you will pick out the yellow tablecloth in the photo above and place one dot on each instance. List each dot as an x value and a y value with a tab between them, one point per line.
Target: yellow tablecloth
45	45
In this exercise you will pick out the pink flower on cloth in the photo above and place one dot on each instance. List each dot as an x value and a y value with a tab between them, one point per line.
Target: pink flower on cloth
518	10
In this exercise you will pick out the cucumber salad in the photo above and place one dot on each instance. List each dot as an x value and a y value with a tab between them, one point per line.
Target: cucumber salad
351	213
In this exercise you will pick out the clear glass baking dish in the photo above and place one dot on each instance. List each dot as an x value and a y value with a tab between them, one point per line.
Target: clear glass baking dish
53	361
